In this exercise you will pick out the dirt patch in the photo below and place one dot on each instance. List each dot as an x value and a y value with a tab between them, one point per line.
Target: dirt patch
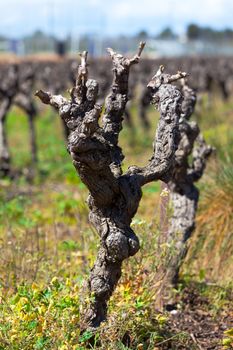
199	324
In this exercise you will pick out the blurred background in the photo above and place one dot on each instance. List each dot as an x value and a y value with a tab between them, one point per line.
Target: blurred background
171	27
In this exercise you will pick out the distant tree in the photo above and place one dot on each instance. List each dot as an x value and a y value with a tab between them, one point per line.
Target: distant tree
207	33
142	34
193	31
167	33
228	33
39	42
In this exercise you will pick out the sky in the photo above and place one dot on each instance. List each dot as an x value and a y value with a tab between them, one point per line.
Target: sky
110	17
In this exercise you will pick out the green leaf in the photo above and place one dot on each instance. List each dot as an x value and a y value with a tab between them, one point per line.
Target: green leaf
85	336
32	324
202	274
227	342
69	245
40	343
229	332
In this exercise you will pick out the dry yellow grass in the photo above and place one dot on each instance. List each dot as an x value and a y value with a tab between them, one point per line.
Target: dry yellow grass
212	244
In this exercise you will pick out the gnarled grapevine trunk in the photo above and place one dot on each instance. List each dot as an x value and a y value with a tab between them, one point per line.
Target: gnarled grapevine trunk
16	89
184	194
24	100
8	90
113	196
4	152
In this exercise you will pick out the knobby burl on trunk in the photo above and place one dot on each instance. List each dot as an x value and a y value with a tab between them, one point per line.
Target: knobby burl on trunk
114	197
184	194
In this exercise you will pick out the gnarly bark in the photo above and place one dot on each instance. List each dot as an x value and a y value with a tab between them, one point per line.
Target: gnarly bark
24	100
16	89
8	90
114	197
144	102
4	152
184	194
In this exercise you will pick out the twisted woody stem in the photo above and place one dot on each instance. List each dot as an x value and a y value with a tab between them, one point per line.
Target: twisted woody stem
8	90
184	194
4	151
24	100
115	103
113	197
16	89
167	99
